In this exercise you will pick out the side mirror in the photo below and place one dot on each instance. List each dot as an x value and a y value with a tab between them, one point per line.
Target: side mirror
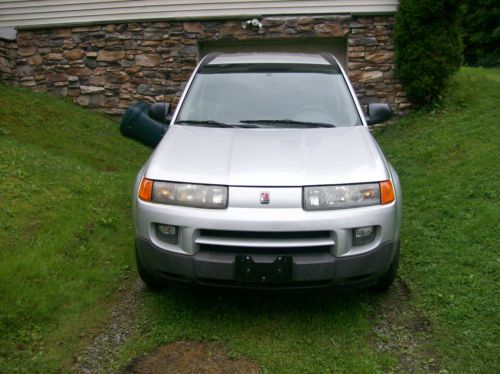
159	112
138	123
378	113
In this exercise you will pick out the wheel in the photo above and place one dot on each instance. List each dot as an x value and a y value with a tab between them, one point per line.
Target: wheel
151	282
387	279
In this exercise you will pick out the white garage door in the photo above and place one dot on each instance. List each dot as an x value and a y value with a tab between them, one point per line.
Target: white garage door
337	46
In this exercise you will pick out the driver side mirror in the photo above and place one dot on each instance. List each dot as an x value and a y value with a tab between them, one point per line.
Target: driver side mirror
378	113
160	112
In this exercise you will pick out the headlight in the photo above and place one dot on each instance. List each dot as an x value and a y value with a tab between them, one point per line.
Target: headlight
340	197
193	195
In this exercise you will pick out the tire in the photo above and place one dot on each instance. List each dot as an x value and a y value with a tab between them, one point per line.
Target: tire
387	279
149	279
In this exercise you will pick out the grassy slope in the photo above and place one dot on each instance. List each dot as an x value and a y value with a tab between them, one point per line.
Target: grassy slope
448	162
65	227
66	237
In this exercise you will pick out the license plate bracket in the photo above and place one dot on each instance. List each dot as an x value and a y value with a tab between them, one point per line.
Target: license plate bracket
249	271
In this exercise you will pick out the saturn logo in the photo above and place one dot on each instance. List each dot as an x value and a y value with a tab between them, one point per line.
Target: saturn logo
265	197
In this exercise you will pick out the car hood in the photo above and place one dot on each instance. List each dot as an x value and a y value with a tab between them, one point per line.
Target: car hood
267	156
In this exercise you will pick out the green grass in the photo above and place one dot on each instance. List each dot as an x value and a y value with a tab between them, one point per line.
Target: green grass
65	226
67	249
448	161
283	333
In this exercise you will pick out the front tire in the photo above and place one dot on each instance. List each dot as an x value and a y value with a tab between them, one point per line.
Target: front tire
388	278
148	278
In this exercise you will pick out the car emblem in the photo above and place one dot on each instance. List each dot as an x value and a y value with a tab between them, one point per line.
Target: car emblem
265	197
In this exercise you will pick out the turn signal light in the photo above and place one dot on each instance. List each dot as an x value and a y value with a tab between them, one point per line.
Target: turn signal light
386	192
146	189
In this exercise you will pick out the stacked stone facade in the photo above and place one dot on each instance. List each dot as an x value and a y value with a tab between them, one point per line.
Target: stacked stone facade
8	52
109	67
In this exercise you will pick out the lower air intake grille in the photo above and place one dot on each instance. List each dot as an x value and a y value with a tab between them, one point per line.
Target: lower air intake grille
265	242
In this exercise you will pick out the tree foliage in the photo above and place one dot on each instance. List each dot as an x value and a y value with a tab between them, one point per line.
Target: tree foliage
481	31
428	46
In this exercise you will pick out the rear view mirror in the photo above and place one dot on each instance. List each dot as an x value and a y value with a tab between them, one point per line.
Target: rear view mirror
378	113
159	112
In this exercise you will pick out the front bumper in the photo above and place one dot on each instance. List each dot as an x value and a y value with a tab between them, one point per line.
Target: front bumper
340	223
313	270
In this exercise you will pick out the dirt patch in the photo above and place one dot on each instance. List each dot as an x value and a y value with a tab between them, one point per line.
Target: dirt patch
190	357
404	332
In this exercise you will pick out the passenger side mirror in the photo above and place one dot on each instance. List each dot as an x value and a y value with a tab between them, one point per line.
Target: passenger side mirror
378	113
160	112
146	124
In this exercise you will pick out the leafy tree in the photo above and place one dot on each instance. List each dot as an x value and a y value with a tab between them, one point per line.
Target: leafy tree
481	27
428	46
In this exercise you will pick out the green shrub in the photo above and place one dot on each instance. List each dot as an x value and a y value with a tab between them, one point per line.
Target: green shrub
428	46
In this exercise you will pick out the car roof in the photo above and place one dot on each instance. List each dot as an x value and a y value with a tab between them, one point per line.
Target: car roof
270	58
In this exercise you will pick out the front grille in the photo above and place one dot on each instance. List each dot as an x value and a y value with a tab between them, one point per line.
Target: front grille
265	242
263	250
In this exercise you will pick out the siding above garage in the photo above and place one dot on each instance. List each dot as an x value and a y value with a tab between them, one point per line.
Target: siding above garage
45	13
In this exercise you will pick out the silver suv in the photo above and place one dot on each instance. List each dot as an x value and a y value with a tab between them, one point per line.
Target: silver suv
268	177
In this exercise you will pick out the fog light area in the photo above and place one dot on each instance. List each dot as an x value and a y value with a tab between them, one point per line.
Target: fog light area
363	235
167	233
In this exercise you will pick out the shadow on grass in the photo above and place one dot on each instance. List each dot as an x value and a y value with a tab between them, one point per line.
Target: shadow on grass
216	304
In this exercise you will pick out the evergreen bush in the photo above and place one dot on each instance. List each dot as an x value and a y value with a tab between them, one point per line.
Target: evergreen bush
428	46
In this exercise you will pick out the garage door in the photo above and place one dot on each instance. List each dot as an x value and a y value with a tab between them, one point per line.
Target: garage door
337	46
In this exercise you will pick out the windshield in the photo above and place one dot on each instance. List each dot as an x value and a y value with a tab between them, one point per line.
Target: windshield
269	96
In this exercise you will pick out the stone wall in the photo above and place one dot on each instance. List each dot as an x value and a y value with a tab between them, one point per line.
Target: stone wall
8	52
109	67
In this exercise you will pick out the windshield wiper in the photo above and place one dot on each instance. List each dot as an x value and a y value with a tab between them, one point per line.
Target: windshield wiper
288	121
213	123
